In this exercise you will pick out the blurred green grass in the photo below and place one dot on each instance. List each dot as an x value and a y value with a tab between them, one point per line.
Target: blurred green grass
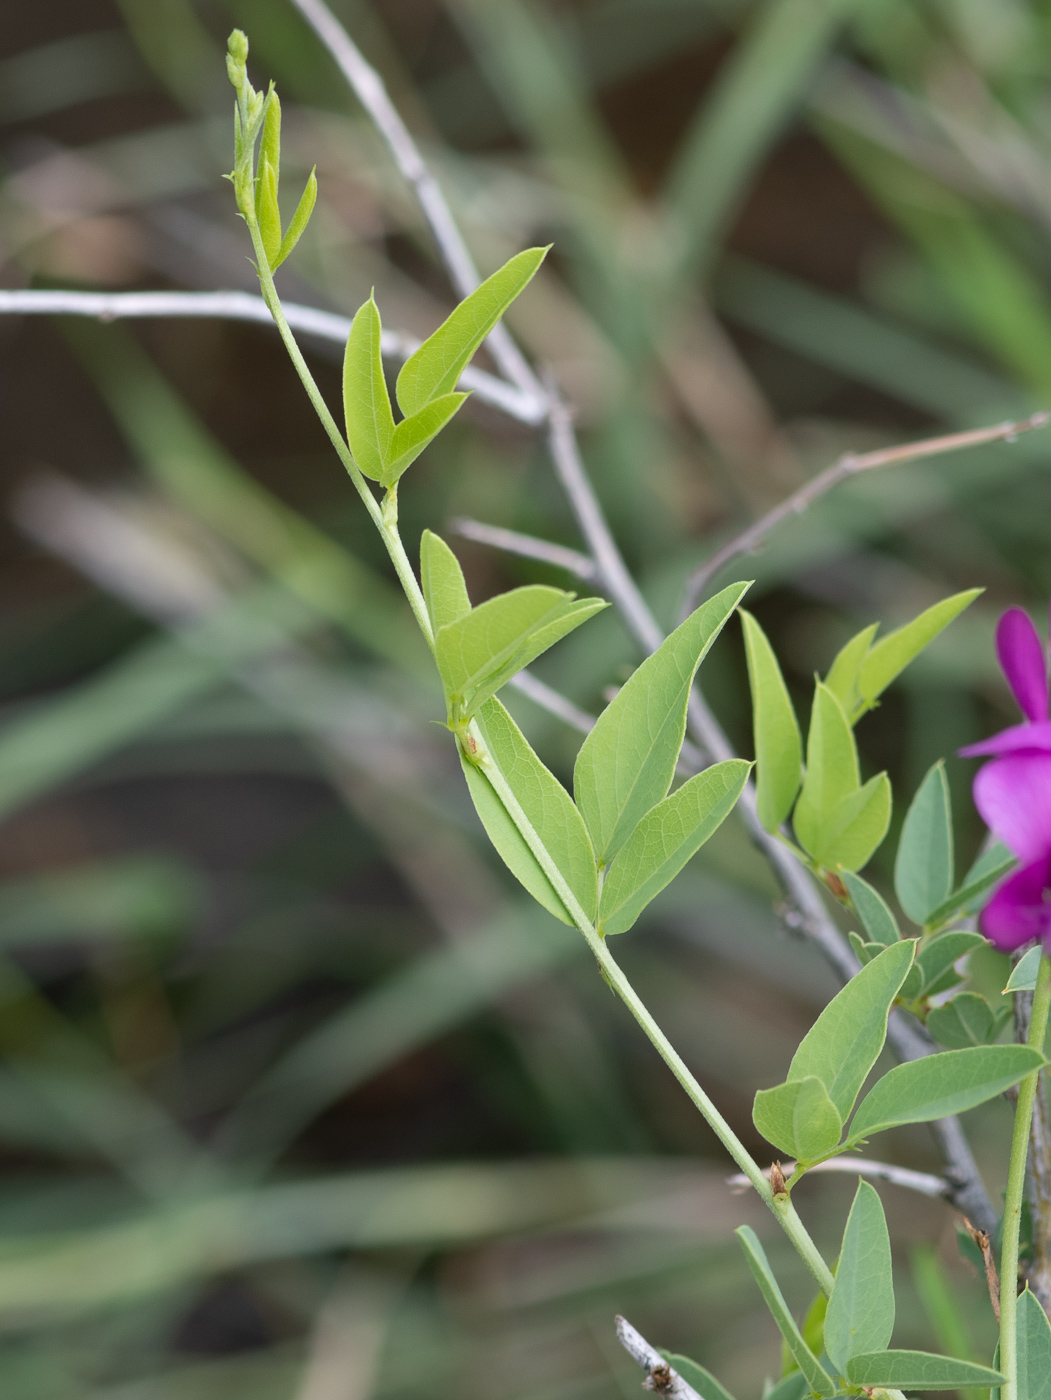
298	1097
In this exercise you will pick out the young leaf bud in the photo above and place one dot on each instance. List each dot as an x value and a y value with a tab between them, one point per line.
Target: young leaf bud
270	146
237	47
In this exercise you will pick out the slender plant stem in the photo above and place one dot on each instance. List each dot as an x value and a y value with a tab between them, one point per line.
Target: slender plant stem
1016	1187
781	1205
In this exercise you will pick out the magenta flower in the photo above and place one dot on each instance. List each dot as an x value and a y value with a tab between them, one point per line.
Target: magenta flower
1013	792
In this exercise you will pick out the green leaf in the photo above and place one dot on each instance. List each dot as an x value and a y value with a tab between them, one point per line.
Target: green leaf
842	678
792	1387
799	1118
300	219
1023	977
889	657
923	870
549	808
270	144
698	1376
936	960
966	1020
480	652
837	821
817	1377
858	825
366	403
860	1315
413	434
872	909
268	211
918	1370
665	839
864	952
434	368
846	1039
626	764
441	578
1034	1349
778	746
940	1085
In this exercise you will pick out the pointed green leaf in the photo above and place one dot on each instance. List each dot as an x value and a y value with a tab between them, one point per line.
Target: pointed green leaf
698	1376
1034	1349
846	1039
832	771
966	1020
268	211
842	678
1023	977
936	960
918	1370
889	656
441	579
436	366
270	143
480	652
857	825
940	1085
413	434
799	1118
864	952
300	218
817	1377
860	1315
793	1387
626	764
665	839
548	807
872	909
366	403
923	869
971	894
778	746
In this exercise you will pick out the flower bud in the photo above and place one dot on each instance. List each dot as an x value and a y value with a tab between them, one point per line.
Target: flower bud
237	47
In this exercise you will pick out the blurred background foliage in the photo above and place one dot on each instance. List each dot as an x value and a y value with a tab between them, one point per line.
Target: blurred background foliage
298	1096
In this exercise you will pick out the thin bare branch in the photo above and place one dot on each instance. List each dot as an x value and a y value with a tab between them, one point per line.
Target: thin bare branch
553	701
370	91
243	306
923	1182
850	464
528	546
660	1377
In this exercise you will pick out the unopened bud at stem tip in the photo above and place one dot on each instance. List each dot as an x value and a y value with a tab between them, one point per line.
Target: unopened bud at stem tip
237	47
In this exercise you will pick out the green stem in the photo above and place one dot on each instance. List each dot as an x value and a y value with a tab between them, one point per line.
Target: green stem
781	1205
1016	1186
385	520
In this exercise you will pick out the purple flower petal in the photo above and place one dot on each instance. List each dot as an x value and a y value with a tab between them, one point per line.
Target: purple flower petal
1020	909
1022	660
1020	738
1013	796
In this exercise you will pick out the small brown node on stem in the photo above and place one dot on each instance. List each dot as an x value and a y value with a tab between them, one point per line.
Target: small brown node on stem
777	1180
992	1278
661	1380
836	885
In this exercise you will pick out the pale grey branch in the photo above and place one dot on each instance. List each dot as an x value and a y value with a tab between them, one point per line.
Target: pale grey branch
526	545
660	1377
527	407
924	1183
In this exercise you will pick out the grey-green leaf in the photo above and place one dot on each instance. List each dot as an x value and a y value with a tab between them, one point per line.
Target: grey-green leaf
936	960
969	898
860	1314
1034	1349
300	218
872	909
366	403
940	1085
918	1370
441	578
480	652
698	1376
775	729
857	825
889	657
799	1118
966	1020
923	869
413	434
436	366
626	764
818	1379
846	1039
548	807
665	839
842	678
1023	977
